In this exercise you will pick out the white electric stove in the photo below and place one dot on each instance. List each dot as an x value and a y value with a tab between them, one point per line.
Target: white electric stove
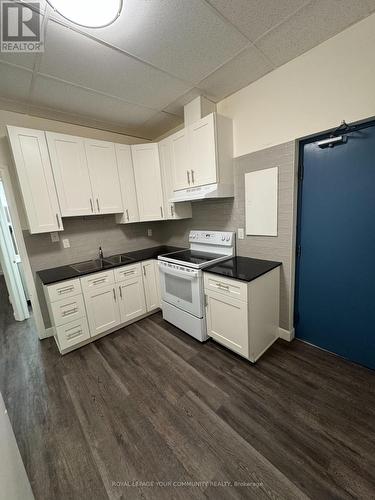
181	279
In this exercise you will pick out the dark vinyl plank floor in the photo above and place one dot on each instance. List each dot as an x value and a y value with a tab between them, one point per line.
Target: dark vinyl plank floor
148	412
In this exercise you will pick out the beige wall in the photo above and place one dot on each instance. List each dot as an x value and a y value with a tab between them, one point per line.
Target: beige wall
310	94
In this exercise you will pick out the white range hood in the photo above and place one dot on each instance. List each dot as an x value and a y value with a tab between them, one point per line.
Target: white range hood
203	193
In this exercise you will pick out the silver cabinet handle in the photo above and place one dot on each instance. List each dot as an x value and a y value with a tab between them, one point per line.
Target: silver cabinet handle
188	176
120	291
127	214
71	336
114	293
224	287
67	289
172	210
100	280
92	206
97	204
129	272
192	177
58	221
161	212
69	312
144	271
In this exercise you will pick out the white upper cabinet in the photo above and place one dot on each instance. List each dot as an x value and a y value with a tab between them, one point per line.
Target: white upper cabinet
30	153
148	181
69	164
105	182
171	210
202	137
127	184
180	156
202	153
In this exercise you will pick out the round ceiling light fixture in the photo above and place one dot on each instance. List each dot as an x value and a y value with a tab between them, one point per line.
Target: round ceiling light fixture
88	13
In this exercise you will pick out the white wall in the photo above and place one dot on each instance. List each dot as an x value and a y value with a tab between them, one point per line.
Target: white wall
313	93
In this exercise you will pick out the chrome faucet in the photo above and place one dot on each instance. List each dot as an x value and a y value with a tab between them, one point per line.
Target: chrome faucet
101	256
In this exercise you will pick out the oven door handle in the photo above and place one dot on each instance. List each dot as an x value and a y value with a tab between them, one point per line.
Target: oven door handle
186	275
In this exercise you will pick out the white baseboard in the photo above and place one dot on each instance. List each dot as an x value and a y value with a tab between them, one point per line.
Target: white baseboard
287	335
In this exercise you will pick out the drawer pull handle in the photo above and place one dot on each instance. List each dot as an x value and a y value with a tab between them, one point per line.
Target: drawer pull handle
72	335
65	290
96	282
69	312
129	272
223	287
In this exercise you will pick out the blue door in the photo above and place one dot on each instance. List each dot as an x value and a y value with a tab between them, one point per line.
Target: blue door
335	279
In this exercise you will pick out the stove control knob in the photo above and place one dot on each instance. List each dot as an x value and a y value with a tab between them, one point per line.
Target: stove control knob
223	238
228	238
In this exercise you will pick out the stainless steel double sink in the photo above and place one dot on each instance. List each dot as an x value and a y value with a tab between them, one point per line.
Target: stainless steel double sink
101	264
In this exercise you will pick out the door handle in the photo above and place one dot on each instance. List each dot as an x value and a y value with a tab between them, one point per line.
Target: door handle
58	221
172	210
127	214
97	204
114	294
188	176
192	177
144	271
161	212
120	292
92	206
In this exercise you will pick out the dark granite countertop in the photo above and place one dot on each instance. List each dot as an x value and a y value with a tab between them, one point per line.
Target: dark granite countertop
56	274
242	268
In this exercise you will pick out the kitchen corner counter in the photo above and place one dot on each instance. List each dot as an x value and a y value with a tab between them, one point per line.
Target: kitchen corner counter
242	268
56	274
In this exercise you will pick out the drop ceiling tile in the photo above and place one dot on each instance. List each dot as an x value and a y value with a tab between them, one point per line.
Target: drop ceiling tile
186	38
69	99
255	17
177	107
243	69
309	27
14	82
159	124
76	58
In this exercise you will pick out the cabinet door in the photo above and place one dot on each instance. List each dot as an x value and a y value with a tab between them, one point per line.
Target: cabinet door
148	181
69	165
171	210
102	308
105	182
181	160
30	153
151	284
202	140
132	299
227	322
127	184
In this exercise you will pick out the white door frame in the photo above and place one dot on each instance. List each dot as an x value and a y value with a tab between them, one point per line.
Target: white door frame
37	314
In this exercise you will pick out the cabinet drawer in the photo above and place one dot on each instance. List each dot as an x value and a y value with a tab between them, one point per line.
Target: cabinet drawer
72	333
231	288
70	309
127	272
63	290
97	280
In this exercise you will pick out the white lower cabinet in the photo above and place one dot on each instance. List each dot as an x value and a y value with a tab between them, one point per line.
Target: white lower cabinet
102	308
72	334
243	316
132	299
151	283
83	309
227	322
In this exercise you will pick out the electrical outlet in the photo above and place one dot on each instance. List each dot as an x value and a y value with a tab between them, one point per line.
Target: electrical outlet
66	243
55	237
149	232
241	233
